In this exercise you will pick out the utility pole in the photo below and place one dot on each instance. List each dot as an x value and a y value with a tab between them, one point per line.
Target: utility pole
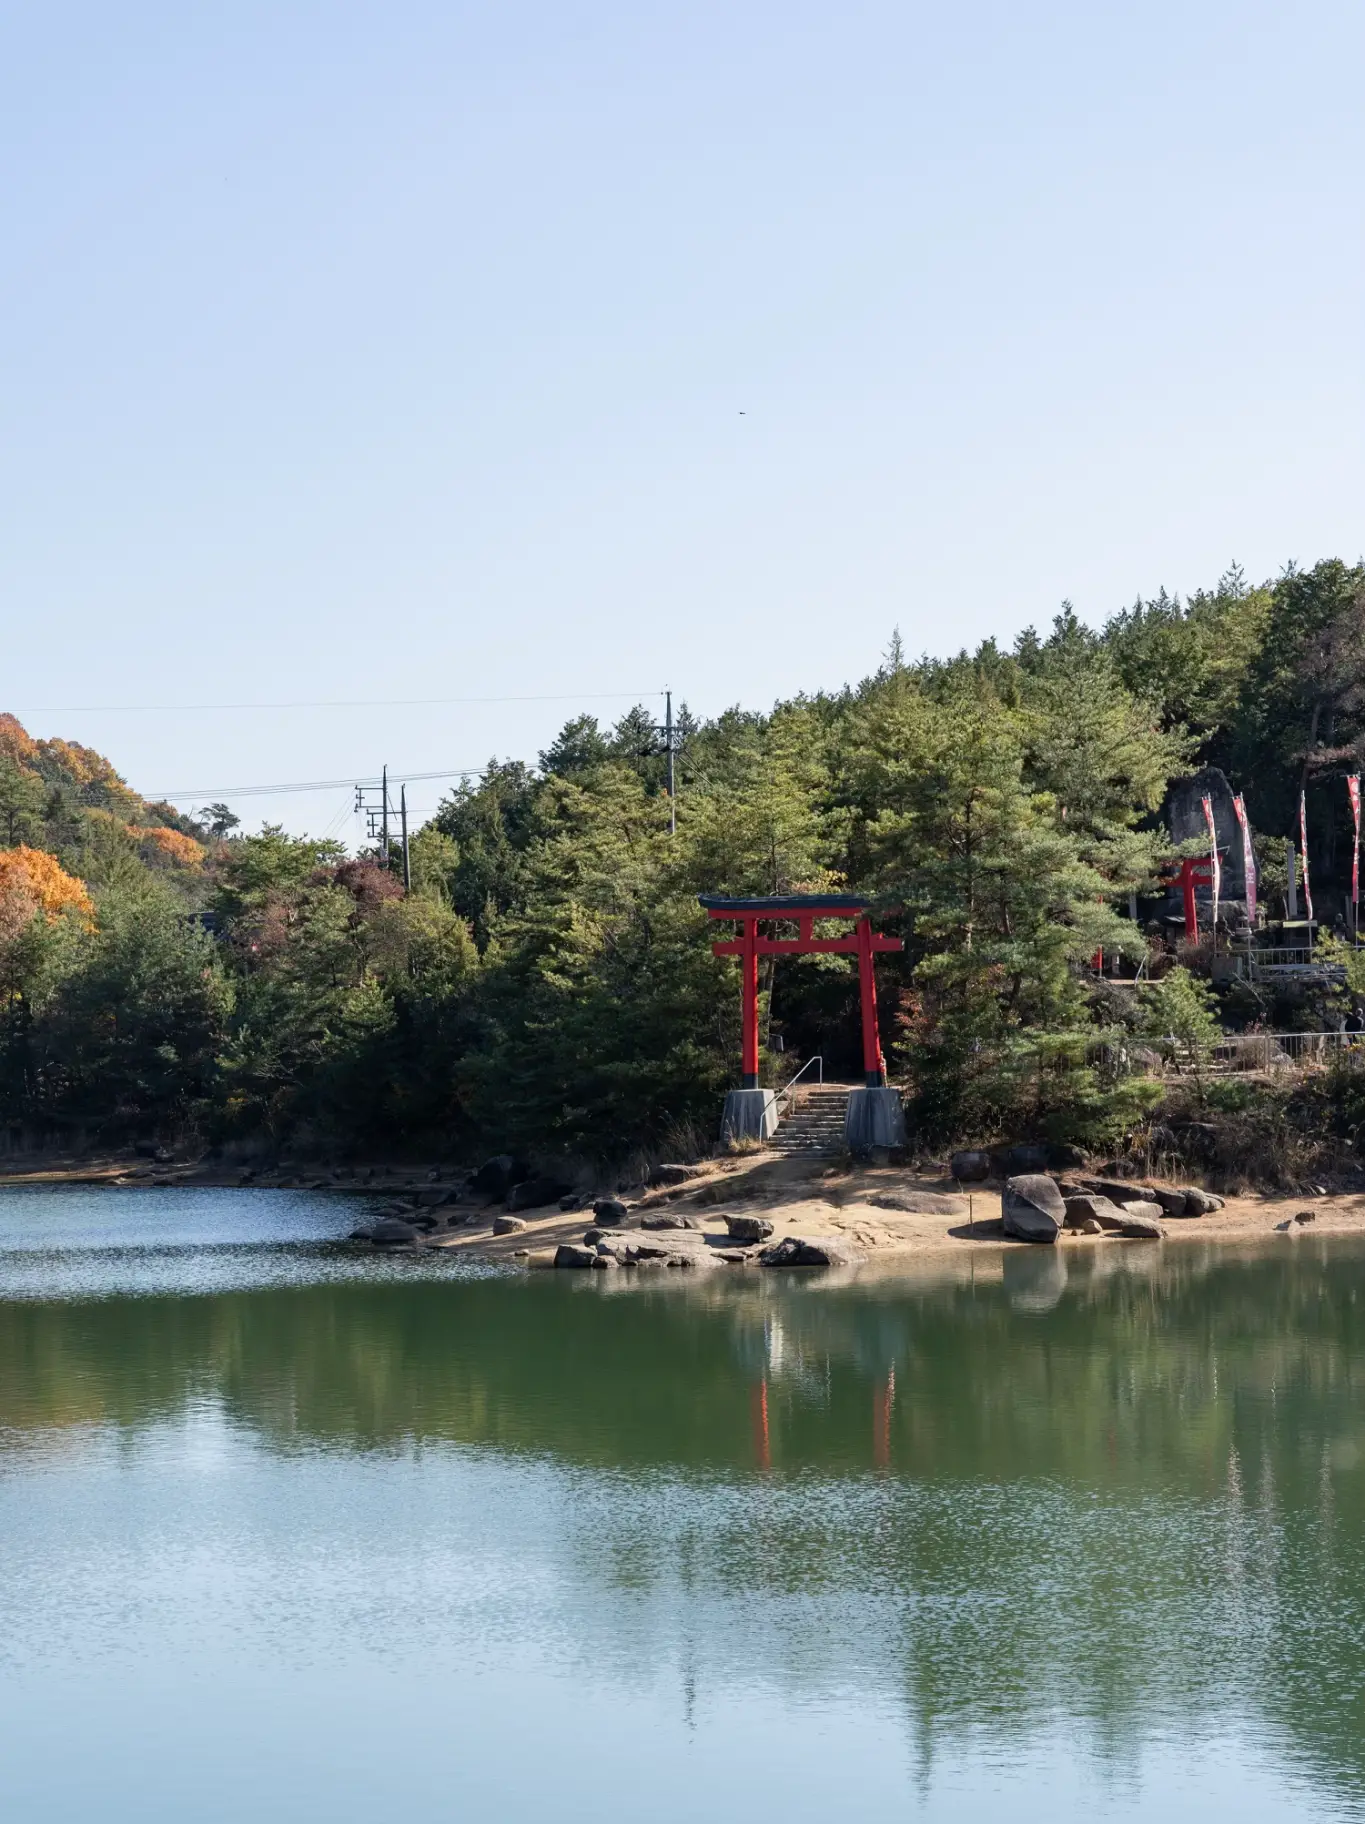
670	735
377	819
668	738
403	813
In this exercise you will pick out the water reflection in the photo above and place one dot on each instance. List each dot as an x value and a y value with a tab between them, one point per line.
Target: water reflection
1122	1493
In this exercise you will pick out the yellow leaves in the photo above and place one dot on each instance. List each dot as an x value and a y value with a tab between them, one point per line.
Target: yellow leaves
33	876
82	764
160	844
16	743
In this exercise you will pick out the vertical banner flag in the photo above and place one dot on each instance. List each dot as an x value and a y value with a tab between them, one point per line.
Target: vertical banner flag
1303	848
1248	857
1215	868
1353	787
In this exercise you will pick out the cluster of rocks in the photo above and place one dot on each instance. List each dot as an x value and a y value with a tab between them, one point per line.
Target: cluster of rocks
1036	1207
675	1242
975	1164
507	1182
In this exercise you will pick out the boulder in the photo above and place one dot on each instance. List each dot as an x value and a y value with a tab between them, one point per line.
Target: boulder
1086	1208
1169	1202
610	1209
572	1201
672	1174
916	1203
1031	1207
1025	1161
667	1219
569	1254
392	1232
433	1199
671	1251
534	1193
1147	1210
972	1166
1200	1202
361	1235
601	1260
748	1228
810	1251
1117	1190
508	1225
1141	1222
494	1178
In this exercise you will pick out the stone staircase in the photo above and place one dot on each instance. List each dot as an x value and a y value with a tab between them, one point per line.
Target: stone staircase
814	1122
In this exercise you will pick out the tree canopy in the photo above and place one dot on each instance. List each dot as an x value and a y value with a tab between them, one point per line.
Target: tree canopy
547	983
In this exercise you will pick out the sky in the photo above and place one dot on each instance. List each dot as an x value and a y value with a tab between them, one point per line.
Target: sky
400	355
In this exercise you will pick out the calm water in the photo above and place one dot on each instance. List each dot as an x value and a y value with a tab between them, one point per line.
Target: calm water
287	1533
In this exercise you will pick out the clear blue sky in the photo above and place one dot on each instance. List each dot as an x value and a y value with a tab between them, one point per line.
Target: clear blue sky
389	351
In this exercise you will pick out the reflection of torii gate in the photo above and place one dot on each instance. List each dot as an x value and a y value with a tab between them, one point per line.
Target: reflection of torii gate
802	910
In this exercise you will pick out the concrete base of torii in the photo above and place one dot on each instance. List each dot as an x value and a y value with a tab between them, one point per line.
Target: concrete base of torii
750	1114
875	1119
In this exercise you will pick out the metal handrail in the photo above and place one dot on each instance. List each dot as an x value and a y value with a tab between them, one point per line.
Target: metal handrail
1235	1050
787	1088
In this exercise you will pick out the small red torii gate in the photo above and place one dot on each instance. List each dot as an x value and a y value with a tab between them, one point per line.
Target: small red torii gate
1194	871
802	909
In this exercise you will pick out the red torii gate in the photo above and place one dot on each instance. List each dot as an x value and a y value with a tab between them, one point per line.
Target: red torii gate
1194	871
802	909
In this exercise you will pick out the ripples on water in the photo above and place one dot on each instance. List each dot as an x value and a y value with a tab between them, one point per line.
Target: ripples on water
292	1531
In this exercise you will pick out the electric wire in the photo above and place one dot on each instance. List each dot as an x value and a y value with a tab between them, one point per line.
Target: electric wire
159	709
308	785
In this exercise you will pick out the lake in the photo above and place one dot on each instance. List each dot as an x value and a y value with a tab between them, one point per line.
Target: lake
292	1531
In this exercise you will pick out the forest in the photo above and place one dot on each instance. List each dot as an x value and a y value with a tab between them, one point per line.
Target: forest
546	984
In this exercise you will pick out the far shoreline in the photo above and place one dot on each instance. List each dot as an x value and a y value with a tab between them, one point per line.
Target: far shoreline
878	1216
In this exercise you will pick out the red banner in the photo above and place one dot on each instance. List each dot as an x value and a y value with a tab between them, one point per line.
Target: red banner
1303	849
1248	857
1353	787
1215	867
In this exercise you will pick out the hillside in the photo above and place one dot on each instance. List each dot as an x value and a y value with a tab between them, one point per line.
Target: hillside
547	985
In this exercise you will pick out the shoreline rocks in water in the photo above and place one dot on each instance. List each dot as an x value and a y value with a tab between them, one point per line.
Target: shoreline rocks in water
810	1251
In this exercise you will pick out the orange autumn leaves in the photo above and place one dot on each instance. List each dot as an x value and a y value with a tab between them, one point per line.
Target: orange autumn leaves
33	882
160	844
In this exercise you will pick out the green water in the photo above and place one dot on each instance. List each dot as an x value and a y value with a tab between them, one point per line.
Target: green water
287	1532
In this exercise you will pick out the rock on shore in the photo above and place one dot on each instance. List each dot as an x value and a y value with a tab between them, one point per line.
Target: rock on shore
1032	1208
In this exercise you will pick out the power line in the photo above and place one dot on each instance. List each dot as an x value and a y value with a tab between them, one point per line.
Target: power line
305	785
149	709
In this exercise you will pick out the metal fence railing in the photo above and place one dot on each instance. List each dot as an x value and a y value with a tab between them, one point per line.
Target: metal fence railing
1236	1054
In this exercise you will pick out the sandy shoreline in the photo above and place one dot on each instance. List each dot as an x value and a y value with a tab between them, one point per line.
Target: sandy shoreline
884	1214
883	1236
